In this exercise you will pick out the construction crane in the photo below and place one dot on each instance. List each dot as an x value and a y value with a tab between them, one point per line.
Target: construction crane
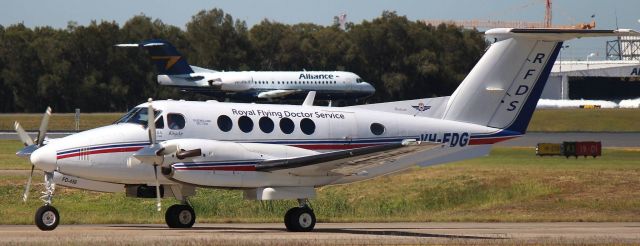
512	24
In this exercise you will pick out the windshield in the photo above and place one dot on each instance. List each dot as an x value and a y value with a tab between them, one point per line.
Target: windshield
137	116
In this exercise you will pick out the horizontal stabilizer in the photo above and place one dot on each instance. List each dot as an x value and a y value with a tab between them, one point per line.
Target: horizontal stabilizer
550	34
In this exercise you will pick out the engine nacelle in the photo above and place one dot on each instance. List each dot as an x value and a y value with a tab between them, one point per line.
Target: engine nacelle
213	151
222	163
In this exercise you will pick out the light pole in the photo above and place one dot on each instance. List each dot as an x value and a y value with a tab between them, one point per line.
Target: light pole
560	60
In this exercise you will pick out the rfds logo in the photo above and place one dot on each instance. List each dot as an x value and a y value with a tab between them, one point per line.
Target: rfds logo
421	107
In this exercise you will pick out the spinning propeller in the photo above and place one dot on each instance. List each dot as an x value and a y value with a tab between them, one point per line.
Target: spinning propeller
32	145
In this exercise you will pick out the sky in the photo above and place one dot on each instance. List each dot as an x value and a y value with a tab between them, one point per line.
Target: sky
58	13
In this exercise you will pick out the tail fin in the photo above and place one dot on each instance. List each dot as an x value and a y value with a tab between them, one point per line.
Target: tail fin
165	56
502	90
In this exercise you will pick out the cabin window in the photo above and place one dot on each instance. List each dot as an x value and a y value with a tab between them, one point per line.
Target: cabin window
377	128
245	123
307	126
224	123
266	124
175	121
286	125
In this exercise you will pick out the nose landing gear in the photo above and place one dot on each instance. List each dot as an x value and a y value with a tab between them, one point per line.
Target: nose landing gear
47	217
301	218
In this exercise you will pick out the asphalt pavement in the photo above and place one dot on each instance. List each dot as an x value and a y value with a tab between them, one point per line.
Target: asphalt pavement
330	233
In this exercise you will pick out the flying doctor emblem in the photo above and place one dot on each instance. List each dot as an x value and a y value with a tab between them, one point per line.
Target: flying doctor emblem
421	107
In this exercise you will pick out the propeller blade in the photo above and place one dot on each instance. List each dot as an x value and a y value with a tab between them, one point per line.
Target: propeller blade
25	195
22	134
44	124
151	123
158	202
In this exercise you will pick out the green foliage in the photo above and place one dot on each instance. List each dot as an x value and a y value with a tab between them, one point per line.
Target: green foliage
80	67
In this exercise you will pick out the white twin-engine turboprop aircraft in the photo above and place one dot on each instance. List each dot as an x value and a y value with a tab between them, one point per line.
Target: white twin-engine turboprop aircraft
286	151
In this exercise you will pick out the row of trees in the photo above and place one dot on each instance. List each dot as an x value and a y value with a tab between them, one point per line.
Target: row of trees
80	67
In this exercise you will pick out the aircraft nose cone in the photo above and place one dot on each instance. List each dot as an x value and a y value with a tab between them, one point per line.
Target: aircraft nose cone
368	87
44	158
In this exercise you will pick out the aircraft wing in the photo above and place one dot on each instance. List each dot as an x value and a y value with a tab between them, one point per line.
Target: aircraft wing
276	93
347	162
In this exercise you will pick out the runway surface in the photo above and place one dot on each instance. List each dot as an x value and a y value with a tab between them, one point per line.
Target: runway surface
330	233
608	139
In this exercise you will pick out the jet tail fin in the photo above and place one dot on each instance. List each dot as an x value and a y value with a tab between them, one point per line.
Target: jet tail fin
502	90
165	56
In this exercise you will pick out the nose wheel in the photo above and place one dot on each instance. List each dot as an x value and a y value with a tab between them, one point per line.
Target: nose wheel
300	219
180	216
47	218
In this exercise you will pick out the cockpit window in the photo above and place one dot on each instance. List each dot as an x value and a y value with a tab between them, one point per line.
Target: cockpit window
137	116
359	80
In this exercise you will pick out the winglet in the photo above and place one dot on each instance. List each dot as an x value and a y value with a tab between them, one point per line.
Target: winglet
308	101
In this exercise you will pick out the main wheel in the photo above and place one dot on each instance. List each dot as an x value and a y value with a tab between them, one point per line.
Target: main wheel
300	219
287	218
180	216
47	218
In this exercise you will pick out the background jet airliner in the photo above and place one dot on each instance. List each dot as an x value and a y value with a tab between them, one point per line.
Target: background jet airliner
250	85
168	148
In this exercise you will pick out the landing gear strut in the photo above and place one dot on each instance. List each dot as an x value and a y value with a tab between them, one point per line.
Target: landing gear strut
180	216
47	217
301	218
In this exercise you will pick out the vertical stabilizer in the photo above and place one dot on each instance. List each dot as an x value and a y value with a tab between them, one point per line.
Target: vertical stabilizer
502	90
165	56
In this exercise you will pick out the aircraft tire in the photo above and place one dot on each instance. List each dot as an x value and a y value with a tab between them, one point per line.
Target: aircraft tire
287	218
47	218
301	219
180	216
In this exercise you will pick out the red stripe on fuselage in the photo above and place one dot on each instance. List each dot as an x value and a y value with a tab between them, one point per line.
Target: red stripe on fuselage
479	141
100	151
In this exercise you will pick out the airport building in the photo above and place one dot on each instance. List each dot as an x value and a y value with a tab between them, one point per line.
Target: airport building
610	80
615	79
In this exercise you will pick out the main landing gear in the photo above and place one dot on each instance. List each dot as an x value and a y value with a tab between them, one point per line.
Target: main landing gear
180	216
47	217
301	218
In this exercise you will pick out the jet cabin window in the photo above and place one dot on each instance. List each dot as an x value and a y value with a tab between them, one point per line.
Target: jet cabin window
137	116
175	121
